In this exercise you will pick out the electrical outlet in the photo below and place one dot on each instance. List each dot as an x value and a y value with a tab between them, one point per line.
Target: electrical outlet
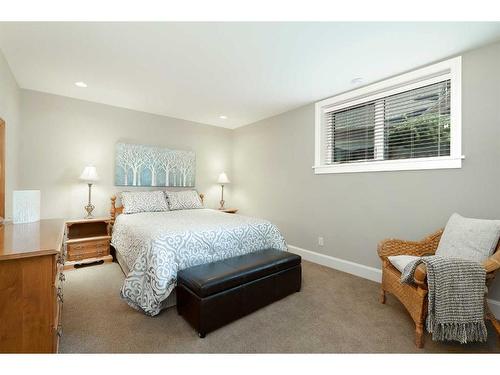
321	241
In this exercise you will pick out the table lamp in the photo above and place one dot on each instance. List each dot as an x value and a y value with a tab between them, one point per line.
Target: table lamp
222	180
89	175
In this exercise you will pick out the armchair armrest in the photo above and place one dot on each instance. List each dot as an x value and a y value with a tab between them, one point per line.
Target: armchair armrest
490	265
420	276
427	246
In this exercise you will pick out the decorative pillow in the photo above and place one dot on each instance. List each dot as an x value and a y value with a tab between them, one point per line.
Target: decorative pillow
400	261
182	200
143	201
471	239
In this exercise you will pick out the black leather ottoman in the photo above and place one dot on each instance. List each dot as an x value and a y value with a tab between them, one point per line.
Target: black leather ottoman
214	294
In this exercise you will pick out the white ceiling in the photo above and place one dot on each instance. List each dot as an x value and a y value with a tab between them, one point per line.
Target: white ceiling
245	71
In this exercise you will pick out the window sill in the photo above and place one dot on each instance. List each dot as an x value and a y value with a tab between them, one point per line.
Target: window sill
391	165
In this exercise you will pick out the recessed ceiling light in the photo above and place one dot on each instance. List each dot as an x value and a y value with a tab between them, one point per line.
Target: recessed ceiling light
223	117
80	84
357	80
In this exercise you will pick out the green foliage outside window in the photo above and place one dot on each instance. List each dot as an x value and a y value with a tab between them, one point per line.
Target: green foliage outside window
426	135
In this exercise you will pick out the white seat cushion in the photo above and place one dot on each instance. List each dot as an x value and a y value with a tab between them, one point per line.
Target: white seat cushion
471	239
400	261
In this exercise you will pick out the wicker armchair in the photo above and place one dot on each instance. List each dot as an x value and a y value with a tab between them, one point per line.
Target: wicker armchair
414	297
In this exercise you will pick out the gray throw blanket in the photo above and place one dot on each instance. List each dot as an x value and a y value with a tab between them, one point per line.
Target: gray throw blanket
456	298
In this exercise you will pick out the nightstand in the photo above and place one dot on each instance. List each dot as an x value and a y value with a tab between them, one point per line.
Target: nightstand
229	210
87	241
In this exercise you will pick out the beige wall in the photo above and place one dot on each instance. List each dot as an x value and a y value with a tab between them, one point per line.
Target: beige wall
274	179
10	113
61	135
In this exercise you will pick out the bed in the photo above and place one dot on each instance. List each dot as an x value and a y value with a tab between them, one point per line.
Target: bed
152	246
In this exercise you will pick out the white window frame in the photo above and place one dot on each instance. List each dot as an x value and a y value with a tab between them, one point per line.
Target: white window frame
450	69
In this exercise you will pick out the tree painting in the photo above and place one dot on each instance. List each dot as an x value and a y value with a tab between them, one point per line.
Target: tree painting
165	164
121	168
151	161
138	165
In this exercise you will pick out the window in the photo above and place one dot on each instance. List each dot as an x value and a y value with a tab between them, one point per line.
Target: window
412	121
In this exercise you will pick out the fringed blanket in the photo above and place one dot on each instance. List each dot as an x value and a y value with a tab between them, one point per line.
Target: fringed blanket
456	298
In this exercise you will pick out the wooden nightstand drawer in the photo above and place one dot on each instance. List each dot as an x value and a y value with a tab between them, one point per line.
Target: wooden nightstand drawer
88	249
102	244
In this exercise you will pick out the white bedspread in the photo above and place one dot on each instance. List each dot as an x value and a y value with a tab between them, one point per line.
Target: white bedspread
155	245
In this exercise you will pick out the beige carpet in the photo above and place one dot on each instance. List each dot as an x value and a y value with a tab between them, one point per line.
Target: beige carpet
334	313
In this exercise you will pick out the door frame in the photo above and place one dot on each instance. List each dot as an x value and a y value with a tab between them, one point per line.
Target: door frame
2	168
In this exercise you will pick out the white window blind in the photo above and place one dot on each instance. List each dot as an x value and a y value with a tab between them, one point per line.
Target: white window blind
408	125
350	134
408	122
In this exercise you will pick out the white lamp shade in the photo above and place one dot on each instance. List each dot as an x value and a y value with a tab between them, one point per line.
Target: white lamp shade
223	178
89	174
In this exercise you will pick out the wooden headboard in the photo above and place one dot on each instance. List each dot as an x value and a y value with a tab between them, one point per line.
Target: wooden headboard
117	210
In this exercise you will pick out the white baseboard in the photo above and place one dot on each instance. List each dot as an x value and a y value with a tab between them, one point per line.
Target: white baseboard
366	272
357	269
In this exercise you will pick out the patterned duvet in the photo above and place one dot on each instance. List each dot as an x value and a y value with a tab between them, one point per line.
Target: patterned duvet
155	245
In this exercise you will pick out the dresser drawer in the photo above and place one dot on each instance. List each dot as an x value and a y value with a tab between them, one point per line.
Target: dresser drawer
88	249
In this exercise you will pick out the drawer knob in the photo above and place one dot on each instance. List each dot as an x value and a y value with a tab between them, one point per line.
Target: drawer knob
60	259
60	295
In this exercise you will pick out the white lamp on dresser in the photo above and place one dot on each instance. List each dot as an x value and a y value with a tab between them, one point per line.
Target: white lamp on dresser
89	175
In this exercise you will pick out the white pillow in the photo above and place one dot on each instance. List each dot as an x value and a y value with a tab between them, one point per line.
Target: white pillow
471	239
400	261
143	201
183	200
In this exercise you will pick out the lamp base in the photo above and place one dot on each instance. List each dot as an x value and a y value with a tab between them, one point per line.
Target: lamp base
89	208
222	202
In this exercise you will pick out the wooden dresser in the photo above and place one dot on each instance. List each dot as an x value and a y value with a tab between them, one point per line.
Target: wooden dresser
31	260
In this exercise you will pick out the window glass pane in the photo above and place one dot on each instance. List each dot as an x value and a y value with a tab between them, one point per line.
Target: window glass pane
353	134
417	123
